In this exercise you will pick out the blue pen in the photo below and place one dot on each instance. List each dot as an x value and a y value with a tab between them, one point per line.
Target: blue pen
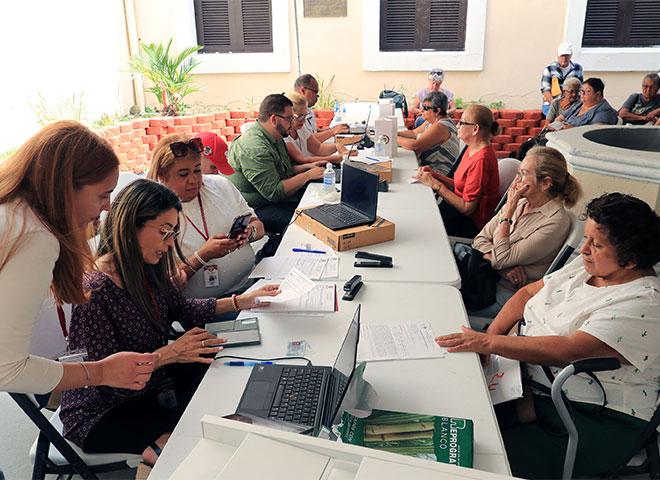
247	364
304	250
372	158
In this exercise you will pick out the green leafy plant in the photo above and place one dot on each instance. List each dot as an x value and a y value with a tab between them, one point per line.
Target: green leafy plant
463	104
107	119
327	98
71	108
170	74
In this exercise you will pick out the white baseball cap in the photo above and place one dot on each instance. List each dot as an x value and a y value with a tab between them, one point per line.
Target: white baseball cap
565	49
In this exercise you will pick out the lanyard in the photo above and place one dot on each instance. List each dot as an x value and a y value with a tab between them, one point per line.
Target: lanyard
201	209
153	300
62	318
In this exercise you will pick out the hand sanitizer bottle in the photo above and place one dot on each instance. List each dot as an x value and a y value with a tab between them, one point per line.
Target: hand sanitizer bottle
329	179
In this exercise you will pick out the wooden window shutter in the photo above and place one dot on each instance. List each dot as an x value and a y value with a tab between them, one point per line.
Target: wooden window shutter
622	23
409	25
240	26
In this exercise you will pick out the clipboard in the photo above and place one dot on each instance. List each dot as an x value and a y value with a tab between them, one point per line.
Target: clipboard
239	333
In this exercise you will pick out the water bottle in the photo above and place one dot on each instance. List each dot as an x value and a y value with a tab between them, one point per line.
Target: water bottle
329	179
379	149
337	113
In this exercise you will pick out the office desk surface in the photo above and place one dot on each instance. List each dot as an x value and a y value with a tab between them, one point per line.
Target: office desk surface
453	385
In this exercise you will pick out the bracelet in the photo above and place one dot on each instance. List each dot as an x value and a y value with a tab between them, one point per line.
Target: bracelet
506	220
89	378
234	302
199	259
253	233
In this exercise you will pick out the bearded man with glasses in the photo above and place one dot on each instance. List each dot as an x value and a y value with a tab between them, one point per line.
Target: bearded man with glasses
264	173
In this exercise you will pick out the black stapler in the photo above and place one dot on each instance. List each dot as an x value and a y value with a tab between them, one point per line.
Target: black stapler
379	261
352	287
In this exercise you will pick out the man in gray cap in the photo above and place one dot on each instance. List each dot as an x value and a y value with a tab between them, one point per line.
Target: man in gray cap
555	74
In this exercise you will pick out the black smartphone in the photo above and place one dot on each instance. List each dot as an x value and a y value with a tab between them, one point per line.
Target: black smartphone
239	225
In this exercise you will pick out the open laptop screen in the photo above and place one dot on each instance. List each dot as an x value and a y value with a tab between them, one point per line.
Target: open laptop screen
359	190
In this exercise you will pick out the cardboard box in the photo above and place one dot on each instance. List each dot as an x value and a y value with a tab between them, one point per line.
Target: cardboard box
348	238
382	169
347	139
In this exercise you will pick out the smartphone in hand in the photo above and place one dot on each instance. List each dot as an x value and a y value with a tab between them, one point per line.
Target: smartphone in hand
239	225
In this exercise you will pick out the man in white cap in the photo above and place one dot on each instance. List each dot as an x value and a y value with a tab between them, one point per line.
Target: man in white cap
555	74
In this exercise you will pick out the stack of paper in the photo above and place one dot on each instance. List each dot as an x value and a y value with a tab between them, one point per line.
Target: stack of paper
398	341
314	265
300	296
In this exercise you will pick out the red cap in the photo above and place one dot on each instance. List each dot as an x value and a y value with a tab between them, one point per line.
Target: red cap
215	149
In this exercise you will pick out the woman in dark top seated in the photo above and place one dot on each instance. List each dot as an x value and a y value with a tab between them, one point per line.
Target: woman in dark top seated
435	142
591	109
133	301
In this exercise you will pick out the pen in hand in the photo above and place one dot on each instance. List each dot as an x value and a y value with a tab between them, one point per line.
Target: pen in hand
247	364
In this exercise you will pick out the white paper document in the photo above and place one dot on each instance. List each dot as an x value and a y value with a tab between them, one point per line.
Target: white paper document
279	266
503	379
398	341
321	298
294	285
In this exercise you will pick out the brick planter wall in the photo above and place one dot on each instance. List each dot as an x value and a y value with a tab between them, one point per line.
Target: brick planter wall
134	140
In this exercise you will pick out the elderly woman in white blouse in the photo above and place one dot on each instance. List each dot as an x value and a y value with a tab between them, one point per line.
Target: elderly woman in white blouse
604	303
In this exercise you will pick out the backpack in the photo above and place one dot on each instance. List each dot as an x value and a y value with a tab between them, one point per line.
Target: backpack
399	100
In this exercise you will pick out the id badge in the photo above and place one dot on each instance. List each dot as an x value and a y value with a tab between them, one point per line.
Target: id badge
76	355
211	276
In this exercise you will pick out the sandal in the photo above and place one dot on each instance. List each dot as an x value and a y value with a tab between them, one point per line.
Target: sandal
144	469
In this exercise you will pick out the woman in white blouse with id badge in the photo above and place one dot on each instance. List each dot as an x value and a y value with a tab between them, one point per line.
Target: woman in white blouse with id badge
210	206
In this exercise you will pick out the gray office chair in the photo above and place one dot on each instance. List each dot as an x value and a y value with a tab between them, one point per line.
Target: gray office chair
51	453
647	442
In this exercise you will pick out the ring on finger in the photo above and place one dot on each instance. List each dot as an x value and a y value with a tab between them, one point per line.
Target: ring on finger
203	343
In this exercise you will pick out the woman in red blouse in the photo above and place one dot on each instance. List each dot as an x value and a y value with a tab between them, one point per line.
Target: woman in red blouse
470	198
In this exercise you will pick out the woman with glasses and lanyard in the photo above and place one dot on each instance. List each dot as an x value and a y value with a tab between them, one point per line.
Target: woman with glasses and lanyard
216	264
470	198
303	147
133	302
434	142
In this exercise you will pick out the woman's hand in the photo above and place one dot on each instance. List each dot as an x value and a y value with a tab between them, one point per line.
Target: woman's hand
468	341
425	175
246	301
217	246
126	370
516	276
189	347
513	196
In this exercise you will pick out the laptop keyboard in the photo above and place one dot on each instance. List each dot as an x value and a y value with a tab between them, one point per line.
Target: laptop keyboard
297	395
339	211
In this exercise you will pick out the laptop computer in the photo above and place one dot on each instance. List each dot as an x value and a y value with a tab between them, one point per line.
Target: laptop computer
359	201
307	395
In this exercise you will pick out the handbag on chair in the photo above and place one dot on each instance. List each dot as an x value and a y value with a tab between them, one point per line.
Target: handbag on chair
478	278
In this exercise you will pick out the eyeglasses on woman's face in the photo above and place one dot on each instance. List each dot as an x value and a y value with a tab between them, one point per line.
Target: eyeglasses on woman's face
300	117
167	234
180	149
426	108
461	123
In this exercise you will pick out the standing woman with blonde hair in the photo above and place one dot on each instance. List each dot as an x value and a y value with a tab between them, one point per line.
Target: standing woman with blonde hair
470	198
51	188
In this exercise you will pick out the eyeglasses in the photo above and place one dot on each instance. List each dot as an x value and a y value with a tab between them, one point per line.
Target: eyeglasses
300	117
312	90
167	234
288	119
461	122
180	149
427	108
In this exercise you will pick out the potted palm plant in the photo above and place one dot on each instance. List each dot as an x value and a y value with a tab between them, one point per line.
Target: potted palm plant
170	76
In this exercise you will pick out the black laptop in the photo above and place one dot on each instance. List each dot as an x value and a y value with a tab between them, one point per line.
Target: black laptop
359	201
307	395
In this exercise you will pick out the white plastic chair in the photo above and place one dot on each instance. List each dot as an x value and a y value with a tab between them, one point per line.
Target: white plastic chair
245	126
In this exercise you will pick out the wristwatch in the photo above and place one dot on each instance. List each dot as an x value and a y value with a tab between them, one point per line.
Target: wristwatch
253	232
506	220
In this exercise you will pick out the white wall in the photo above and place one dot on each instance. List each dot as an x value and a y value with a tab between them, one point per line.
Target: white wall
60	48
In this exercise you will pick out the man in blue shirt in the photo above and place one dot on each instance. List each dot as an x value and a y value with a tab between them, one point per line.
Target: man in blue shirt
555	74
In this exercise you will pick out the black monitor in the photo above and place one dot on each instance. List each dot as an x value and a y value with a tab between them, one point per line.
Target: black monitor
359	189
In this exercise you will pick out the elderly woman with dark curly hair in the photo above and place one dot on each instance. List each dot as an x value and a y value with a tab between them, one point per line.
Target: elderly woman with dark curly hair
605	303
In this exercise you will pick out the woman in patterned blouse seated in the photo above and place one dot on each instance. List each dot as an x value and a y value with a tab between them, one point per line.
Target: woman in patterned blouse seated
134	300
606	303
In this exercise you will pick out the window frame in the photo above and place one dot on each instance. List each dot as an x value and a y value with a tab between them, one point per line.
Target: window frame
279	60
469	59
605	59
